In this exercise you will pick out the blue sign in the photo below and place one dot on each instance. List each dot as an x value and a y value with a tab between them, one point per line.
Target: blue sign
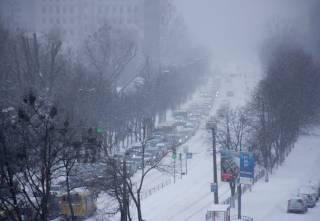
246	167
189	155
214	187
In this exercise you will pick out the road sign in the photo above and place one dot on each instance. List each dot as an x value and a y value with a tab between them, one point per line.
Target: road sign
213	187
246	167
174	155
189	155
99	130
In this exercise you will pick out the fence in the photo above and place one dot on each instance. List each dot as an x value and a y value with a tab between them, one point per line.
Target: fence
245	188
243	218
146	193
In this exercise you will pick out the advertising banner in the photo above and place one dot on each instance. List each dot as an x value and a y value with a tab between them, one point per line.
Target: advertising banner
229	165
246	168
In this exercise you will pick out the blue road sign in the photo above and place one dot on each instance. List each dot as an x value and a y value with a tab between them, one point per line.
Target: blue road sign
246	167
189	155
213	187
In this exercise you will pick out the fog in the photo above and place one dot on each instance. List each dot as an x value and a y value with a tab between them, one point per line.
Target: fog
234	29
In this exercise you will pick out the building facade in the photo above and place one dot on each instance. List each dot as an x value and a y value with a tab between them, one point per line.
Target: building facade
75	20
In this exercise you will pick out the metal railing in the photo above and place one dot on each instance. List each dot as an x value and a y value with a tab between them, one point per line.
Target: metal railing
243	218
245	188
146	193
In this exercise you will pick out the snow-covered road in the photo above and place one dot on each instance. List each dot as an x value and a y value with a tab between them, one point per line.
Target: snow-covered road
189	198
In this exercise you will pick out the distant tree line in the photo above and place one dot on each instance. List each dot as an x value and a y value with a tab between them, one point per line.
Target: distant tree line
284	105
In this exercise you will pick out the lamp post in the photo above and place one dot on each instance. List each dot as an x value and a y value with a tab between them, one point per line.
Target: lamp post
212	125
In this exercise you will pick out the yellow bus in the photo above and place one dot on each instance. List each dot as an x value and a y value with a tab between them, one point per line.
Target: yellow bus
83	203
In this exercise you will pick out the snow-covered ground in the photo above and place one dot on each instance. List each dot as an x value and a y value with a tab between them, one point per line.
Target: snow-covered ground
189	198
267	201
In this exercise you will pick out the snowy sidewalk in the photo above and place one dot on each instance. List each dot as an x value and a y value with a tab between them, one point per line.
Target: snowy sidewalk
268	201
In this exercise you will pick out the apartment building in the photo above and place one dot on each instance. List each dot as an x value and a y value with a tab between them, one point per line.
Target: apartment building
77	19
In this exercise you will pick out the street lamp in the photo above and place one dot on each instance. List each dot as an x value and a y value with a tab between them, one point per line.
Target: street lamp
212	125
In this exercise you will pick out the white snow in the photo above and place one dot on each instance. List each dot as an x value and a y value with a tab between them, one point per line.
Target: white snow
190	198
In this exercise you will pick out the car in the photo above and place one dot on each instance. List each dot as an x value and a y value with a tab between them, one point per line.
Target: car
316	184
308	200
310	190
315	187
296	205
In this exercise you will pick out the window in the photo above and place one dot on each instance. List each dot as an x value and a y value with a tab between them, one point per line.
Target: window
58	9
114	9
129	8
71	9
136	8
44	9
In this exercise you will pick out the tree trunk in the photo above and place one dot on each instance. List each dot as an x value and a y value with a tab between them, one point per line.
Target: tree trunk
232	185
69	197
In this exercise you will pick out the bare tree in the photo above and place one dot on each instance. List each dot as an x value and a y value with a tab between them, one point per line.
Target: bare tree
109	52
233	132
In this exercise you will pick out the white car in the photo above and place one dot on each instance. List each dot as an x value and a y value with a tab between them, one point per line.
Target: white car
310	190
296	205
308	200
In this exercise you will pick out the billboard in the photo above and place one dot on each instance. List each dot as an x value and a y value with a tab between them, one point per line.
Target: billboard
229	165
246	168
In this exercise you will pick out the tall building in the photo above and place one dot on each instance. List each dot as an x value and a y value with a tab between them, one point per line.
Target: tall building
18	14
75	19
152	16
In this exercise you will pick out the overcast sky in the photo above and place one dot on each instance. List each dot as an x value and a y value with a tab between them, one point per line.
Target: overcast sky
233	28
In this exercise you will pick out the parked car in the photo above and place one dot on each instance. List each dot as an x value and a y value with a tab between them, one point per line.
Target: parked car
316	184
296	205
308	200
315	189
310	191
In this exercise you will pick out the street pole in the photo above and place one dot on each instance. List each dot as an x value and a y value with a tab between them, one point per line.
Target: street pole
124	216
174	171
186	164
215	178
180	158
239	200
239	194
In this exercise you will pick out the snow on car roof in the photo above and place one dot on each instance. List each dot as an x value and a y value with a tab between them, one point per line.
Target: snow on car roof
306	189
80	190
296	198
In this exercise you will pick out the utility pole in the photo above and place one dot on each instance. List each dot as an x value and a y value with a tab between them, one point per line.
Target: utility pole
180	158
239	193
186	163
174	171
212	126
239	199
125	196
174	157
